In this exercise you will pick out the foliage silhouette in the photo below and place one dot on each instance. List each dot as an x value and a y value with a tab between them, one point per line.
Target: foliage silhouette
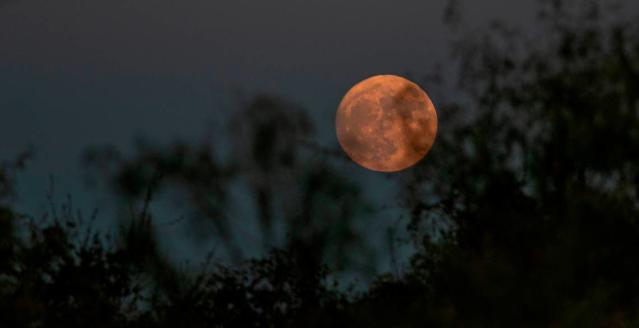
525	213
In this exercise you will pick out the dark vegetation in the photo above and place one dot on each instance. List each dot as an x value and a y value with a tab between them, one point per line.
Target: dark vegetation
526	213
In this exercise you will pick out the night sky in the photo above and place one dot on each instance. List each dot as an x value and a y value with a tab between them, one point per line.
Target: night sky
77	72
82	73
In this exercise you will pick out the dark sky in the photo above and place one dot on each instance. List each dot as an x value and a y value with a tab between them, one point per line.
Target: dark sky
75	73
330	39
79	72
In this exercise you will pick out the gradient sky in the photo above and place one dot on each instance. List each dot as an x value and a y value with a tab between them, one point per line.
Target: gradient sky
75	73
79	72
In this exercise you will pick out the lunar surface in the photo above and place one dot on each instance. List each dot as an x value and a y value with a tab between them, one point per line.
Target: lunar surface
386	123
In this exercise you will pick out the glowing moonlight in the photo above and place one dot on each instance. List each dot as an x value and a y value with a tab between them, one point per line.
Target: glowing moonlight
386	123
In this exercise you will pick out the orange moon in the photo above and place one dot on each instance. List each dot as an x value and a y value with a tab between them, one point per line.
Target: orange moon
386	123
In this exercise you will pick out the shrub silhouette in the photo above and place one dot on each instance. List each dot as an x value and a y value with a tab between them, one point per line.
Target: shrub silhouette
524	214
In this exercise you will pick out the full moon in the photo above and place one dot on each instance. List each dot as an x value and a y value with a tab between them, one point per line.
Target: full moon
386	123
